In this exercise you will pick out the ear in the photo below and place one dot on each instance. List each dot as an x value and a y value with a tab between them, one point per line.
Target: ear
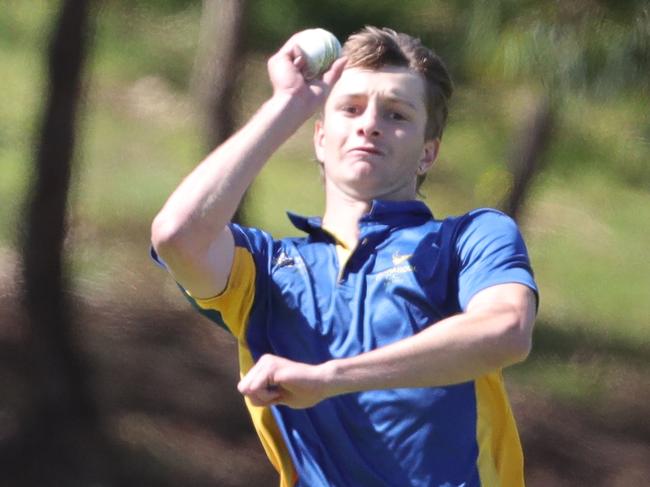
429	155
319	140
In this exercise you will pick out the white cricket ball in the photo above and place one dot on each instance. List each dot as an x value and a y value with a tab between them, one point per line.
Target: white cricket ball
320	49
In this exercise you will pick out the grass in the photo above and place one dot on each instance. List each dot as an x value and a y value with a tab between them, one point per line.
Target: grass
585	222
589	249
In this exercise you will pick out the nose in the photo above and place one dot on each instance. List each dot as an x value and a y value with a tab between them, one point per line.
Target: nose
369	122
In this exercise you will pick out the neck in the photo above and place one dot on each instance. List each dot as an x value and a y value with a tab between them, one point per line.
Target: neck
343	210
342	216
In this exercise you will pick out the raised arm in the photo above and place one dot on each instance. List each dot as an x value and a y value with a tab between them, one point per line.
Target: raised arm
190	233
493	333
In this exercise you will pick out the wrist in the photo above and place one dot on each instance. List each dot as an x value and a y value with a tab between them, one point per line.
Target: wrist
294	107
333	377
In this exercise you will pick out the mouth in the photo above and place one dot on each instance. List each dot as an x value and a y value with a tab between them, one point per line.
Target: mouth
367	150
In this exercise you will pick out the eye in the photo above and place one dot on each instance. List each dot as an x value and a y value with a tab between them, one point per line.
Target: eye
397	116
350	109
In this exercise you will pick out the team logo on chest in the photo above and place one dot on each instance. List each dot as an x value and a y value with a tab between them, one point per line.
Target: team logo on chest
399	259
397	273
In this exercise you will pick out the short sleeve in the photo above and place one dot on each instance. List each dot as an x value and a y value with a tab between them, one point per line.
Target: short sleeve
247	283
490	251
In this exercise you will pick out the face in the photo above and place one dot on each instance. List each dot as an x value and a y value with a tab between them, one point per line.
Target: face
371	140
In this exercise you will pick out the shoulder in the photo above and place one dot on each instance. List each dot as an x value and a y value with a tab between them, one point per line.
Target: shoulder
483	216
249	237
479	218
263	246
481	224
256	239
489	250
484	234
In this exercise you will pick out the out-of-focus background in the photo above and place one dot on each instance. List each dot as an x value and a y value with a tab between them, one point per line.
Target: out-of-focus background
107	377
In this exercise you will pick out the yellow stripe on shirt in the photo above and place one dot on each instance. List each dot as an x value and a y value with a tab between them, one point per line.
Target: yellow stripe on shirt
235	304
500	459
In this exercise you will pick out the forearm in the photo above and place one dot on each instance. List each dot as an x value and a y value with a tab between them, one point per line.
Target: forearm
494	332
454	350
207	199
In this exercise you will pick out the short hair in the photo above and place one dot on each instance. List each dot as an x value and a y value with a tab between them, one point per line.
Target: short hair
374	48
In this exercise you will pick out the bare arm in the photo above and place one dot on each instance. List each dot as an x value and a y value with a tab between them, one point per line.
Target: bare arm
190	233
493	333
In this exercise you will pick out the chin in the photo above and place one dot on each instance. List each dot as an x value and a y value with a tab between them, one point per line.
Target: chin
364	189
363	169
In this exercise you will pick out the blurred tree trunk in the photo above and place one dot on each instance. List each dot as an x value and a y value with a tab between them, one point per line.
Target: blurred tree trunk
221	56
528	156
61	434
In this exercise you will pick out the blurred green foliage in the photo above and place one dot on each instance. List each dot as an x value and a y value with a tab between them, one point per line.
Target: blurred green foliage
586	219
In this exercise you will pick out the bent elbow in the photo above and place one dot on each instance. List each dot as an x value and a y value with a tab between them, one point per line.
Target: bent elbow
521	350
517	337
165	236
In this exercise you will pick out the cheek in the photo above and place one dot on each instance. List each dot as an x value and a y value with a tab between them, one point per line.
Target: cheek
410	147
409	133
335	136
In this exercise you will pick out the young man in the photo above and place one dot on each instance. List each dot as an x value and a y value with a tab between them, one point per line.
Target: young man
370	350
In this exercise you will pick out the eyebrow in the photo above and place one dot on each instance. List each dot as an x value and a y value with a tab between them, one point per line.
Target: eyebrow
402	101
390	98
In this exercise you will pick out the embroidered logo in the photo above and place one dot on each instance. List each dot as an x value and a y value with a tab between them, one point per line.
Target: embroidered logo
284	260
400	259
401	266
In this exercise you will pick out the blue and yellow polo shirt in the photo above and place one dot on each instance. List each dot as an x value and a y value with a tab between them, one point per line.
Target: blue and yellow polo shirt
303	299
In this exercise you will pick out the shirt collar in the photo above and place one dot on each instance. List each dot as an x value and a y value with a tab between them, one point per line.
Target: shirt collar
383	210
392	213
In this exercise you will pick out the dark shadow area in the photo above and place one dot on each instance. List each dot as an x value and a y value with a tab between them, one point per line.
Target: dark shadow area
565	445
602	440
568	340
165	381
